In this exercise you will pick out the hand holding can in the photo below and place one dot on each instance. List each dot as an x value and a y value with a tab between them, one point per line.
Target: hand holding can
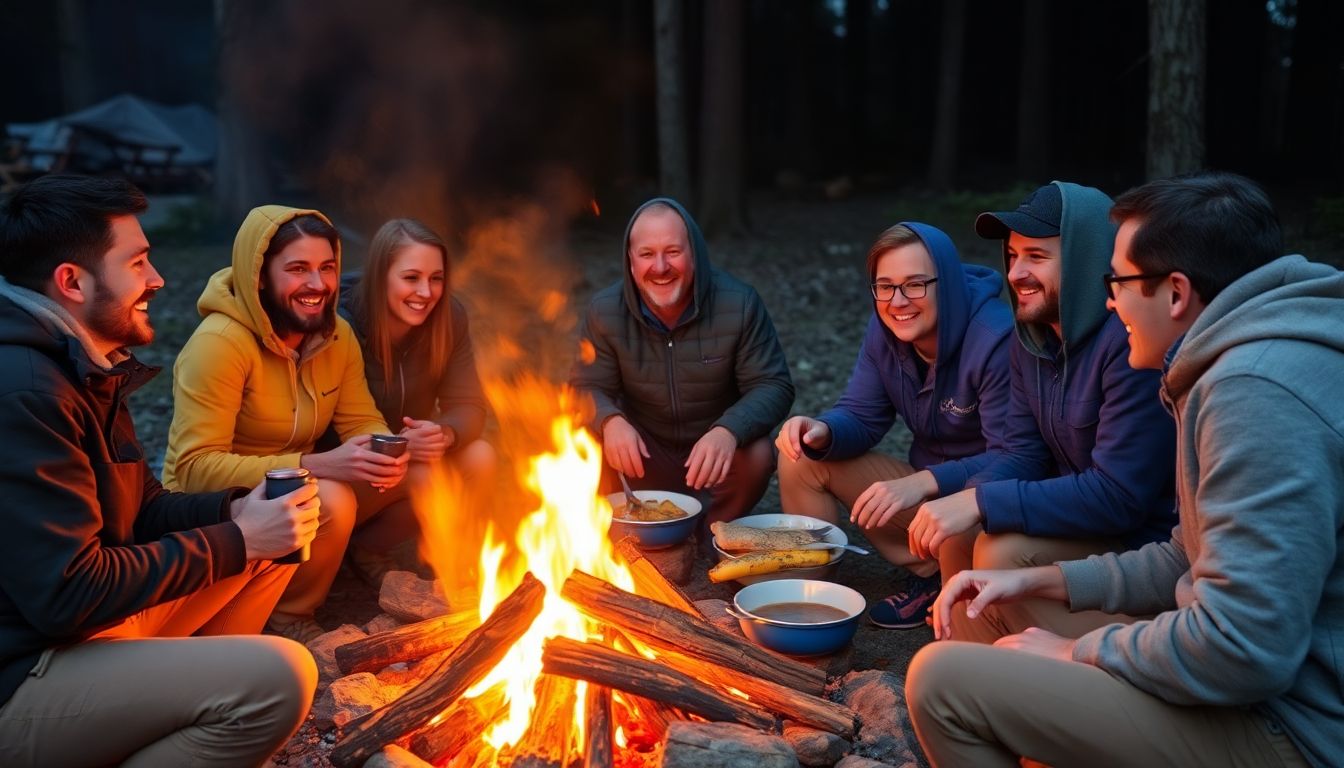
278	483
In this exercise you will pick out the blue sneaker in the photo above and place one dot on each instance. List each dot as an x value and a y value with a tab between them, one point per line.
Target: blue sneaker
907	609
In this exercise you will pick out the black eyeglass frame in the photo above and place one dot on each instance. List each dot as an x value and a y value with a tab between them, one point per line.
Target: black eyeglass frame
1110	279
872	288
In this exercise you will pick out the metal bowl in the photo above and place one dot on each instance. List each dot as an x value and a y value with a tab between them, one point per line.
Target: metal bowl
799	638
660	533
827	571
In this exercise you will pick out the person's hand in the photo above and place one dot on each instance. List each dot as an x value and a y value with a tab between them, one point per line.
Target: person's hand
354	461
427	440
711	458
880	501
798	431
273	528
1041	642
623	447
984	588
939	520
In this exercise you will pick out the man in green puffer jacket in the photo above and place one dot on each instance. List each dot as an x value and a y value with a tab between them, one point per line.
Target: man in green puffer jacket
685	369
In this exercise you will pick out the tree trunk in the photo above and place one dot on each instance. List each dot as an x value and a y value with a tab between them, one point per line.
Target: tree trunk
673	166
943	161
723	197
241	179
1176	71
1033	104
77	87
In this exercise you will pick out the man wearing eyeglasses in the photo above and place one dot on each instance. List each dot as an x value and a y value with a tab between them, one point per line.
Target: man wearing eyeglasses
1241	666
935	354
685	369
1087	461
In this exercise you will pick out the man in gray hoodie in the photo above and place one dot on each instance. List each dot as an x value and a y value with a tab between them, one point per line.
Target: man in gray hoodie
1241	663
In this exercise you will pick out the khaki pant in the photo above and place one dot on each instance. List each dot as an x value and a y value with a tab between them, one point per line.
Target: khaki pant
146	693
976	705
373	519
815	488
1015	550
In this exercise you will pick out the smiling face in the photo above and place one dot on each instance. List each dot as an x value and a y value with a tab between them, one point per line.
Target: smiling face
118	313
1034	275
298	288
415	284
1147	318
914	321
662	263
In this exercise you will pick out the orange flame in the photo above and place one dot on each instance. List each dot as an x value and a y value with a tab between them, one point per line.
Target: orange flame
567	530
592	204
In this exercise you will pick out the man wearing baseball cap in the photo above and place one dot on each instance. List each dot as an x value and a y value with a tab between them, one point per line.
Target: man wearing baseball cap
1089	452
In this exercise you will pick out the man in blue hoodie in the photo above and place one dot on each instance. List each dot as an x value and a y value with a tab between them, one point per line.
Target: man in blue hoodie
1087	462
1241	665
684	367
935	353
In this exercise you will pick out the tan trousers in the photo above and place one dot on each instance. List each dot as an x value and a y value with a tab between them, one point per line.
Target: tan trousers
976	705
1015	550
815	488
378	521
147	693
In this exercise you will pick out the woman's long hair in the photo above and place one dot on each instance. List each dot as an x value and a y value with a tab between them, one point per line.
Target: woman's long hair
372	296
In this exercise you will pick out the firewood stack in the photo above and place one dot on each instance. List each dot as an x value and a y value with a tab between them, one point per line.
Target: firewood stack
698	672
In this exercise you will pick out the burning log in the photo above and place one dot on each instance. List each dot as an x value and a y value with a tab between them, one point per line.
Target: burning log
814	711
649	581
546	743
597	752
470	661
407	643
668	628
460	726
603	666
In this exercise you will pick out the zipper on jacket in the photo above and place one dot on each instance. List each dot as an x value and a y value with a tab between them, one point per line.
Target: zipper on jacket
1057	398
672	393
294	398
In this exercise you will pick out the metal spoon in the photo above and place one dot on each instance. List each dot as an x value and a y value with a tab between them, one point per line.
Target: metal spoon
832	545
632	502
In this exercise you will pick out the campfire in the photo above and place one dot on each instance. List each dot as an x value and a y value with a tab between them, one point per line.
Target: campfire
578	650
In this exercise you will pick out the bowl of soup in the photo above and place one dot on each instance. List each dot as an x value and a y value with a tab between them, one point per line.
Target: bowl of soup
663	518
800	617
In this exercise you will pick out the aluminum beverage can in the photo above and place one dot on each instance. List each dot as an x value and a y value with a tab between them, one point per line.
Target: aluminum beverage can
278	483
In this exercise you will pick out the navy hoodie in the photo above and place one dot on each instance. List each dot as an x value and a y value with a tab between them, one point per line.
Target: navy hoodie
957	409
1090	448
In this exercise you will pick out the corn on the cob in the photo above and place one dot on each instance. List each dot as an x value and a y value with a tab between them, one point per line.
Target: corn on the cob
758	563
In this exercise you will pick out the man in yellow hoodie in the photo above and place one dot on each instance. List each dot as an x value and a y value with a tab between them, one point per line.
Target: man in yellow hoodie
269	368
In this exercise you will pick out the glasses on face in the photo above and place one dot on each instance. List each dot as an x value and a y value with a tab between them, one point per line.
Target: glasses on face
911	289
1110	279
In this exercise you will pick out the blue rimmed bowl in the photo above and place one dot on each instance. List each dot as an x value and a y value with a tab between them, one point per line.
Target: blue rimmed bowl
799	638
660	533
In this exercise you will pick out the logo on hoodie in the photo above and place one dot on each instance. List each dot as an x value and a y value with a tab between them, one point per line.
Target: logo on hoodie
950	406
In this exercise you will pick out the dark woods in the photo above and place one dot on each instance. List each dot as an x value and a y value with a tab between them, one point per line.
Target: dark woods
425	104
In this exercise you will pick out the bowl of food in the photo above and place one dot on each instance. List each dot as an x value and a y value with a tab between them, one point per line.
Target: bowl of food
777	534
663	518
800	617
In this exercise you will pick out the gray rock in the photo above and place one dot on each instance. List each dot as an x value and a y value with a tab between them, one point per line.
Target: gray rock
381	623
724	745
407	597
854	761
324	651
716	612
351	697
886	733
815	747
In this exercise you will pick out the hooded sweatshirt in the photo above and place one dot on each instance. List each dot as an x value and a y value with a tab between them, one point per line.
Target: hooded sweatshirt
1089	449
1252	580
91	538
720	365
451	397
244	402
957	408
